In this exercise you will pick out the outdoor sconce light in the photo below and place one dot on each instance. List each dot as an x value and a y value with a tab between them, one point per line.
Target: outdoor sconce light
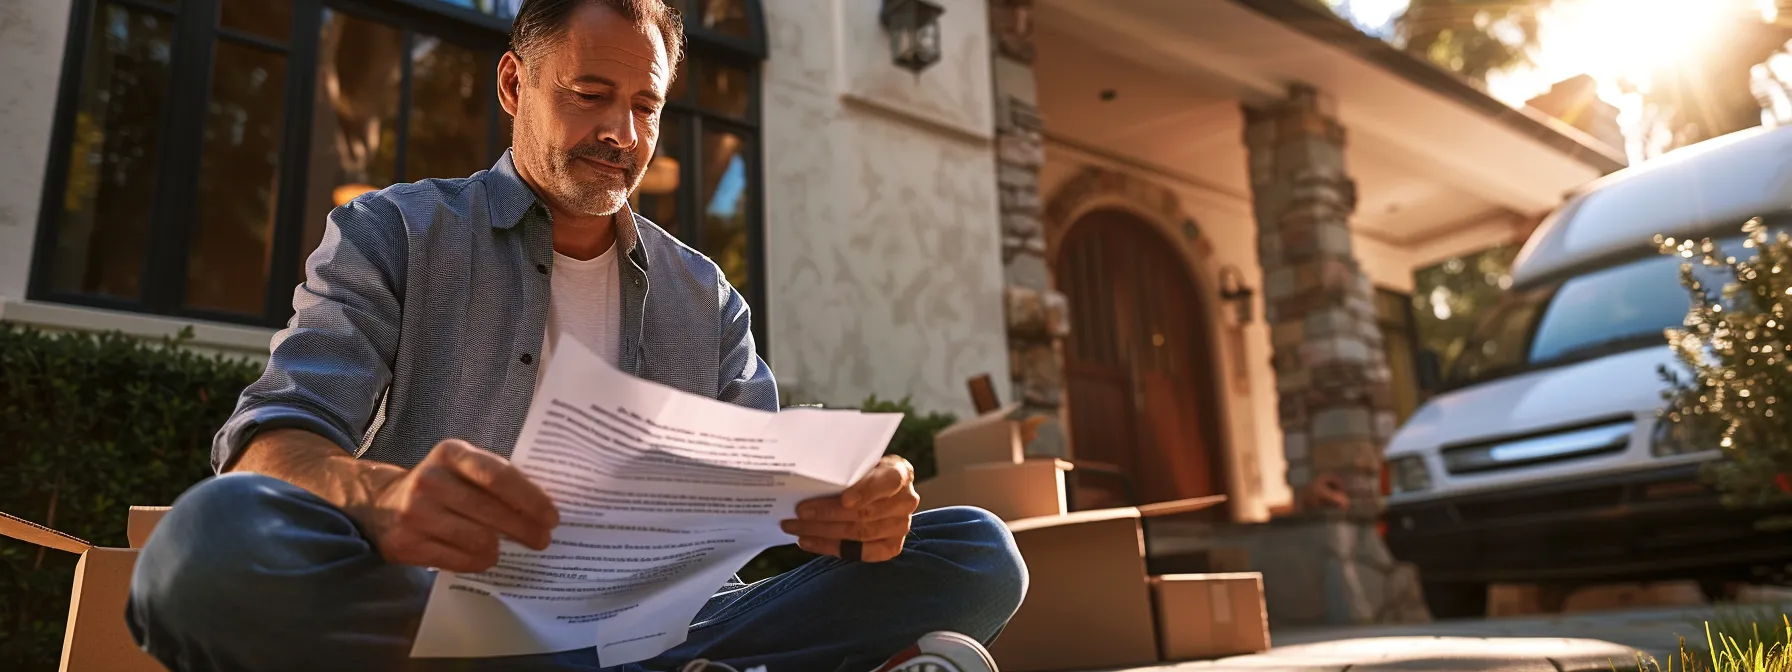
914	27
1234	291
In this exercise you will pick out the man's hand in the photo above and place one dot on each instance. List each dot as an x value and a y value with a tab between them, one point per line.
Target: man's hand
448	511
875	512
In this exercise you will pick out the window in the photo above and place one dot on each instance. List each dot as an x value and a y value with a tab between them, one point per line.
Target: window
704	182
1453	296
201	144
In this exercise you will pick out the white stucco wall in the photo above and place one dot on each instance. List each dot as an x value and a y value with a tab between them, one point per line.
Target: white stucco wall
32	33
882	245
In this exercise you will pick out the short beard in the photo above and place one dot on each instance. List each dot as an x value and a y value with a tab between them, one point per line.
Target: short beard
601	197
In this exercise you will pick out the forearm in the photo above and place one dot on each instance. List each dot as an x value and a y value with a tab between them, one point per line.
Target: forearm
318	465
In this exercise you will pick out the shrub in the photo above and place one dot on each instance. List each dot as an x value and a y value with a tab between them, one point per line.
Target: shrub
913	441
92	424
1733	348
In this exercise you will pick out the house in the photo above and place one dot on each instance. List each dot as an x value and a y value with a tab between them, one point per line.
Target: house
1182	231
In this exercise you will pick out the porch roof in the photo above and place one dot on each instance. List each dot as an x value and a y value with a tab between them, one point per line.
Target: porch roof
1435	158
1320	24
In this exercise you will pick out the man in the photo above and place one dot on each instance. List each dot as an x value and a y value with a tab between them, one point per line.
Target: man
373	446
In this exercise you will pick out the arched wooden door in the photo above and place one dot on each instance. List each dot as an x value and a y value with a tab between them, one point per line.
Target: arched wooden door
1138	365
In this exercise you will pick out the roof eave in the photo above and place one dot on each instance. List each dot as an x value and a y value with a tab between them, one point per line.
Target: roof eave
1320	23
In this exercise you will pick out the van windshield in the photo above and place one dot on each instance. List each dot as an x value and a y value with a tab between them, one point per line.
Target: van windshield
1614	309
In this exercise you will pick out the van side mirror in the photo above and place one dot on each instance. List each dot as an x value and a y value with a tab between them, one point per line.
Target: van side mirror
1430	371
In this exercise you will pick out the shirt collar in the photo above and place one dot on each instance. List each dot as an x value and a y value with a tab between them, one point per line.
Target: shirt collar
512	199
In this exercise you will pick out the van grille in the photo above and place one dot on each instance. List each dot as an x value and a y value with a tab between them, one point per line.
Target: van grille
1570	444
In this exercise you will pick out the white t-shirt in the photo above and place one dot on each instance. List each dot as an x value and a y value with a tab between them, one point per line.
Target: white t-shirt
586	304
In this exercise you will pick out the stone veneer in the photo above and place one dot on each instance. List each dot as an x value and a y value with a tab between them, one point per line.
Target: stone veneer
1334	396
1325	565
1036	313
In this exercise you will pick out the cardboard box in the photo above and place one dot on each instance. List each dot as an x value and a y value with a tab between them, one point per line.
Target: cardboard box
990	438
97	639
1029	489
1088	603
1210	615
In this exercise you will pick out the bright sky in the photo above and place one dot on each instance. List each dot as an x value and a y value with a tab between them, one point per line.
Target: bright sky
1610	40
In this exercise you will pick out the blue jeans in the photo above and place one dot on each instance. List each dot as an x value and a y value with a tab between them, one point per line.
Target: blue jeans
249	572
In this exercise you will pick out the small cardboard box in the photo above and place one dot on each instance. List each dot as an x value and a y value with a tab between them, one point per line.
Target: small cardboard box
1210	615
1029	489
990	438
1088	603
97	639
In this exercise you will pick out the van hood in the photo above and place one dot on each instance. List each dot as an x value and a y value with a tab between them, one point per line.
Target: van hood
1601	389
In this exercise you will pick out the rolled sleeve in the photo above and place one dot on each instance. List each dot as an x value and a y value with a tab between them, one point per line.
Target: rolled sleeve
746	380
328	369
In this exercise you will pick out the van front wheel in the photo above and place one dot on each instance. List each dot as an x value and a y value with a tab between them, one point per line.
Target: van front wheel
1456	600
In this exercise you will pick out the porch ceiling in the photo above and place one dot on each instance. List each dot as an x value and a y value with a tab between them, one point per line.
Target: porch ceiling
1180	70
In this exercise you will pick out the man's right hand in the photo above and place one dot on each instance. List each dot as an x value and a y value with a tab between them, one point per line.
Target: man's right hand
449	510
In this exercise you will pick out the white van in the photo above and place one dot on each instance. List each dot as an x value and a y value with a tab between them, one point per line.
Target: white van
1540	458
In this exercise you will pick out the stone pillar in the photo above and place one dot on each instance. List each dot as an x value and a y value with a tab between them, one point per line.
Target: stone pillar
1326	565
1332	381
1036	313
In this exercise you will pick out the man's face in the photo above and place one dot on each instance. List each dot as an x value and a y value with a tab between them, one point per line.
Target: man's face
588	110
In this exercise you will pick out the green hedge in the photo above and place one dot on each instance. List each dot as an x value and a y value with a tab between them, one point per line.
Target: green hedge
90	425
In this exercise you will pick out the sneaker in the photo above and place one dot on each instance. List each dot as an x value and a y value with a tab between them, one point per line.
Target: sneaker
701	665
942	652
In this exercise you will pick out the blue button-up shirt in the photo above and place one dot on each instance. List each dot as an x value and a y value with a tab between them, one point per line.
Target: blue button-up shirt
422	314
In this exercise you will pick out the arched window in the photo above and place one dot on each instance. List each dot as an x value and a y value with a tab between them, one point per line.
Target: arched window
200	144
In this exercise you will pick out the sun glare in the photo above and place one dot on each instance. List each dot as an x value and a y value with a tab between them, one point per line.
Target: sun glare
1618	42
1621	44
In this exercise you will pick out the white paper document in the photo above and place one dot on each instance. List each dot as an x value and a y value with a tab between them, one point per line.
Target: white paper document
663	496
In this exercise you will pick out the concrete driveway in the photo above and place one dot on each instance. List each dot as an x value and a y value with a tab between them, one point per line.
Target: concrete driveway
1557	643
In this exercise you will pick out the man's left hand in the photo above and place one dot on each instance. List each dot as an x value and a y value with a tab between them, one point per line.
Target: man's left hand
874	512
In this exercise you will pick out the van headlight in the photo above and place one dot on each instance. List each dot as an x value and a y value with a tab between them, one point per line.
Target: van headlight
1677	438
1409	474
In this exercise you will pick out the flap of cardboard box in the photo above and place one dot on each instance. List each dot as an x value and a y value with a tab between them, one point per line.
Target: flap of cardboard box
995	417
1181	506
1094	515
143	521
27	531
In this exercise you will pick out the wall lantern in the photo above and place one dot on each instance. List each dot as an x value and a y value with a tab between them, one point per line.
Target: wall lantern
914	27
1234	291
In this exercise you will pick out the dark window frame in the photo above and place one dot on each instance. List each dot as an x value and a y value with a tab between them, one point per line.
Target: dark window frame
693	120
181	126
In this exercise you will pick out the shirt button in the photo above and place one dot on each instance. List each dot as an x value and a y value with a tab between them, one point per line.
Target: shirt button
527	358
543	268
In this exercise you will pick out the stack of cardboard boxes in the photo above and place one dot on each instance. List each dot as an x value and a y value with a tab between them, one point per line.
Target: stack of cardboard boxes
1090	602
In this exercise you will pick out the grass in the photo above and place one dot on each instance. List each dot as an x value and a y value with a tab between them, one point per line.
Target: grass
1757	639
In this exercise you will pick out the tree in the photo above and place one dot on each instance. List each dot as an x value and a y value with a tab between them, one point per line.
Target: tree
1473	38
1733	389
1687	101
1710	96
